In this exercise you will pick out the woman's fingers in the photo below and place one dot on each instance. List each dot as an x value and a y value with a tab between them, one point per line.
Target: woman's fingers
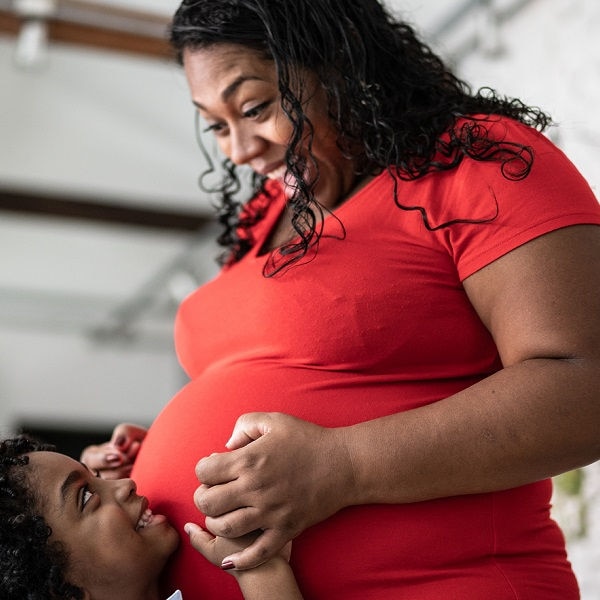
234	523
267	544
215	548
249	427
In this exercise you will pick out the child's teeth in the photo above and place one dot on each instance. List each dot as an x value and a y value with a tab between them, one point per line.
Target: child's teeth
144	519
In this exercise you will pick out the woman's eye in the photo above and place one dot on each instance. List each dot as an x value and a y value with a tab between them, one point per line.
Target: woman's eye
215	128
85	497
255	111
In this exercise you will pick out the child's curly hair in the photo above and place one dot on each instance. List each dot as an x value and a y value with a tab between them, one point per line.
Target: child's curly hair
31	566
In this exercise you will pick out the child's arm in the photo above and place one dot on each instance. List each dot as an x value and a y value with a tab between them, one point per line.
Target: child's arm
273	580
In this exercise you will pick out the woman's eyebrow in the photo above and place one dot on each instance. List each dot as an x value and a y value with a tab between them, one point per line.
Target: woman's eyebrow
235	84
231	88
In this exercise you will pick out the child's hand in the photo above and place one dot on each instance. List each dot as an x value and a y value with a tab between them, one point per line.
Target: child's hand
218	549
271	580
114	459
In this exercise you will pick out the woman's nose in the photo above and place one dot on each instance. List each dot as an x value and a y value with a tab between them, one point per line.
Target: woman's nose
244	145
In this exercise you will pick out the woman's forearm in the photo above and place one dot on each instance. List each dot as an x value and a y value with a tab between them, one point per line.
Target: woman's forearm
527	422
537	417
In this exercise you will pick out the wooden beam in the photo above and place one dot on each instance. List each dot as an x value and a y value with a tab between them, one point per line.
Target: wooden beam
101	212
98	36
106	28
105	39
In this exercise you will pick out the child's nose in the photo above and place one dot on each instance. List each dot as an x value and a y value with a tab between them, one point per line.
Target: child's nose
124	489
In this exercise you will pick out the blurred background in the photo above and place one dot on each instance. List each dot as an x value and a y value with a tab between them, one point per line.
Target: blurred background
103	228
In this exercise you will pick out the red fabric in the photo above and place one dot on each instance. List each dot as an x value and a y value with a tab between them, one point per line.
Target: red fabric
377	323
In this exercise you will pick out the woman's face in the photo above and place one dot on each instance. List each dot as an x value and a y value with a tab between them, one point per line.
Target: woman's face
116	546
236	92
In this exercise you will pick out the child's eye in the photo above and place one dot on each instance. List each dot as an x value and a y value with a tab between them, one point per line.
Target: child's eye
85	497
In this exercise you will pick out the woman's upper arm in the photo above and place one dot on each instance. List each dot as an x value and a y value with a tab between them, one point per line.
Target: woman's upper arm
542	300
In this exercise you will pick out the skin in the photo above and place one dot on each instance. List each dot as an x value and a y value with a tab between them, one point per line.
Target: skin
114	459
252	130
236	94
96	521
110	557
540	304
272	580
537	417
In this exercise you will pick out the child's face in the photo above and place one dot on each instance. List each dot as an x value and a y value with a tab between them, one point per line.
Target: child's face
100	523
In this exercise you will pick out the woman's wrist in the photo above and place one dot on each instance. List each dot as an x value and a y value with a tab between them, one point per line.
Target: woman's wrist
347	485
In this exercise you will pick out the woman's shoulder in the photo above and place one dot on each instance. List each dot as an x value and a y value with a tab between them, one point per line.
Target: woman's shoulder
504	129
510	150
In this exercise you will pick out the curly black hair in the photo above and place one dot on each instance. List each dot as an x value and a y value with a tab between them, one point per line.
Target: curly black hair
31	566
395	104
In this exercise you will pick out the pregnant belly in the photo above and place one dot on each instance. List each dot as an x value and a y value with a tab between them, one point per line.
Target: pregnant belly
372	547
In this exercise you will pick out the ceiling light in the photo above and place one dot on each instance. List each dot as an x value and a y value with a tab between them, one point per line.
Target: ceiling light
31	50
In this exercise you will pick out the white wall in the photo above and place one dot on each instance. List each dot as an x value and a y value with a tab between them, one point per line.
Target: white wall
98	124
67	380
551	58
124	128
71	279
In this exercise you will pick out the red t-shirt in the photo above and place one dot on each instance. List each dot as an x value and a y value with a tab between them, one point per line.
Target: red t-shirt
378	322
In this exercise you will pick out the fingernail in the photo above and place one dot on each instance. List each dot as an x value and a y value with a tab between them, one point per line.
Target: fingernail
187	528
227	565
112	458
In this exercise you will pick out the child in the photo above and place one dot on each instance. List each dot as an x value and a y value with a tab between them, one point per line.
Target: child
67	534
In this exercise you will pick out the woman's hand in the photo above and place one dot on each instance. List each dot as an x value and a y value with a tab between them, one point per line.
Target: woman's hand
282	476
214	548
218	549
114	459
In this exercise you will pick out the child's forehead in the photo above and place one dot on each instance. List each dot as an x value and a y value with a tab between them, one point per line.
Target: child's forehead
53	479
49	470
54	461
